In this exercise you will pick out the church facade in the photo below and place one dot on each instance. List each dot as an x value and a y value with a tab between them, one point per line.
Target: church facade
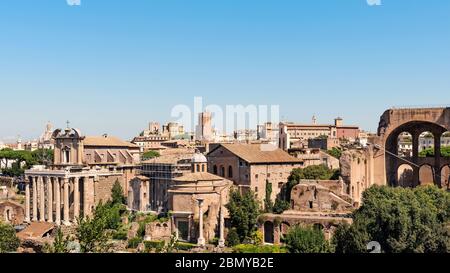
83	172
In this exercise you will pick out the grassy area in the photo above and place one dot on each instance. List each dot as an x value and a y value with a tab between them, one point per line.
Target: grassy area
243	248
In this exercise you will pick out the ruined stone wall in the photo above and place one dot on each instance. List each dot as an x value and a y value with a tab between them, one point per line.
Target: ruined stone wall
358	172
157	231
12	212
276	174
312	197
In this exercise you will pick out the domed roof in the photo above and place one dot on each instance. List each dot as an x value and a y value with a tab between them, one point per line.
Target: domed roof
199	158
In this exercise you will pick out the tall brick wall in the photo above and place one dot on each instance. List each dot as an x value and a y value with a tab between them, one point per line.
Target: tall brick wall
104	185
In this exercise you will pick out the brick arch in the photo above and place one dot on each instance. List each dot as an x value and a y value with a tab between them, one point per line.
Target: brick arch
393	162
269	230
426	178
405	175
445	176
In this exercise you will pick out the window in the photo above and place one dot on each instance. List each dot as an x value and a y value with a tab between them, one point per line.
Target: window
222	172
230	172
203	168
183	230
215	169
198	168
66	155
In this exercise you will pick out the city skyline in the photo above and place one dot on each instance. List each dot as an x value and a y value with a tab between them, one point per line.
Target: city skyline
113	68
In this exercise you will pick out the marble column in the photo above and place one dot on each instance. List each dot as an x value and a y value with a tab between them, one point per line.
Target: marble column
201	239
27	202
41	199
66	220
222	228
86	210
35	198
76	198
49	200
57	201
141	196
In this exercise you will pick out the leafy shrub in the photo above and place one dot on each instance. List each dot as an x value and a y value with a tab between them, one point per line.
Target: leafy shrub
232	238
257	238
402	220
214	241
335	152
280	206
8	239
245	248
156	245
134	242
306	240
184	246
120	235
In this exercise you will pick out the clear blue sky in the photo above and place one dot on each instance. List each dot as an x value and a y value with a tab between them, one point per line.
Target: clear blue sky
112	66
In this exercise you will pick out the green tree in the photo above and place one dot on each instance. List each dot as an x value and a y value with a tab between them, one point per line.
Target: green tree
306	240
244	210
335	152
42	156
22	160
402	220
351	239
280	206
111	213
268	204
150	154
232	238
60	244
117	196
92	232
8	239
314	172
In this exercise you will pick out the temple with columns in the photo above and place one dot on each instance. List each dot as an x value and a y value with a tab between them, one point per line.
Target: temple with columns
83	173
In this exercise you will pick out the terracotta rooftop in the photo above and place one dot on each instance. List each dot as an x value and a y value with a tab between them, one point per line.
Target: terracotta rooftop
200	176
171	156
260	153
35	230
109	141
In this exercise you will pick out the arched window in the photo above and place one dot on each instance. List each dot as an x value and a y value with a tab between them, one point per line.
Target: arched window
230	172
215	169
198	168
203	168
405	145
66	155
426	144
445	177
426	175
405	176
222	171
